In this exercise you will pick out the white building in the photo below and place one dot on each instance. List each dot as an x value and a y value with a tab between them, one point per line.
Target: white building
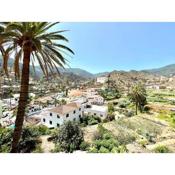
101	79
56	116
100	111
83	101
96	100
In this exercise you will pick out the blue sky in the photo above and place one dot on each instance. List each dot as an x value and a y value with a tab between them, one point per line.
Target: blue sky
108	46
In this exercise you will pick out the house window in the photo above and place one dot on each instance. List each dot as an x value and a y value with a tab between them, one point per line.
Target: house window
94	113
58	116
74	112
79	116
74	119
58	124
50	122
67	115
50	114
79	109
101	115
44	119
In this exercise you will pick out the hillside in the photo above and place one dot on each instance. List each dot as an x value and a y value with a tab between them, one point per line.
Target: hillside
125	79
164	71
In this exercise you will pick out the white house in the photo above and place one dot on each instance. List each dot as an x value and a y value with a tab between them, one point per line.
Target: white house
83	101
101	79
34	109
96	100
100	111
56	116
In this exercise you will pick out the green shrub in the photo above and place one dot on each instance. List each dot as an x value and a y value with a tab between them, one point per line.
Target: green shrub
84	146
109	118
105	142
143	142
161	149
5	139
28	142
70	137
90	120
43	130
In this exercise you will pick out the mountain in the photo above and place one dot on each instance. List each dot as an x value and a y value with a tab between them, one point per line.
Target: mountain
101	74
168	70
79	72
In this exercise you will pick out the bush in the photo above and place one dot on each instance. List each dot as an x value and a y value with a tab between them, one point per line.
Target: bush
70	137
143	142
123	104
129	113
90	120
5	139
43	130
84	146
28	142
109	118
105	142
161	149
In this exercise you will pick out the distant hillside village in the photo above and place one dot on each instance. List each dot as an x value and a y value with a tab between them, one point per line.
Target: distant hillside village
52	102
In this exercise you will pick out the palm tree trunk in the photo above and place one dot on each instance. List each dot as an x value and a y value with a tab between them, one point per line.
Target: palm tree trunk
22	101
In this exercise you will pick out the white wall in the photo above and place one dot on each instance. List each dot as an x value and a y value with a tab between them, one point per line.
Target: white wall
100	113
55	120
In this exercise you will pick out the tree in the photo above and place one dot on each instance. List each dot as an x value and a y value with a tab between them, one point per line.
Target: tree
29	41
70	137
138	96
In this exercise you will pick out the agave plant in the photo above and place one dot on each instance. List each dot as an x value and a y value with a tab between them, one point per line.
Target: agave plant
31	42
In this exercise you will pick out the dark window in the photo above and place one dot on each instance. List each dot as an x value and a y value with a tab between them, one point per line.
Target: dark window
74	112
58	124
101	115
50	114
79	109
50	122
67	115
58	116
94	113
44	119
79	116
74	119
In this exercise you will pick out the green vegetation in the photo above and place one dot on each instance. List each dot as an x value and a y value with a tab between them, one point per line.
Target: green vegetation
110	94
69	138
90	120
105	142
138	96
168	117
29	141
161	149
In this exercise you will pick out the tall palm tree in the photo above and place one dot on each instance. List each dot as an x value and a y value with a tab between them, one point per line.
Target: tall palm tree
31	41
138	96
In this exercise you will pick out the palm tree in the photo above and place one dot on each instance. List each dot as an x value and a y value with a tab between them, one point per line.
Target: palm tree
138	96
31	41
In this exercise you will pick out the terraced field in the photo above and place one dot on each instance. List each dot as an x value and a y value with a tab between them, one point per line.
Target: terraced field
141	134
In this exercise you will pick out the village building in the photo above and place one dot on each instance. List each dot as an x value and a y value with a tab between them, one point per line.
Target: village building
95	110
102	79
56	116
96	100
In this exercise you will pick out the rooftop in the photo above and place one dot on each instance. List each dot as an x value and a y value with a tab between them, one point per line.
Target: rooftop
64	109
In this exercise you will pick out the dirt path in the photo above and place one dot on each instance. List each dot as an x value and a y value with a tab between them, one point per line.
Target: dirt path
46	145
